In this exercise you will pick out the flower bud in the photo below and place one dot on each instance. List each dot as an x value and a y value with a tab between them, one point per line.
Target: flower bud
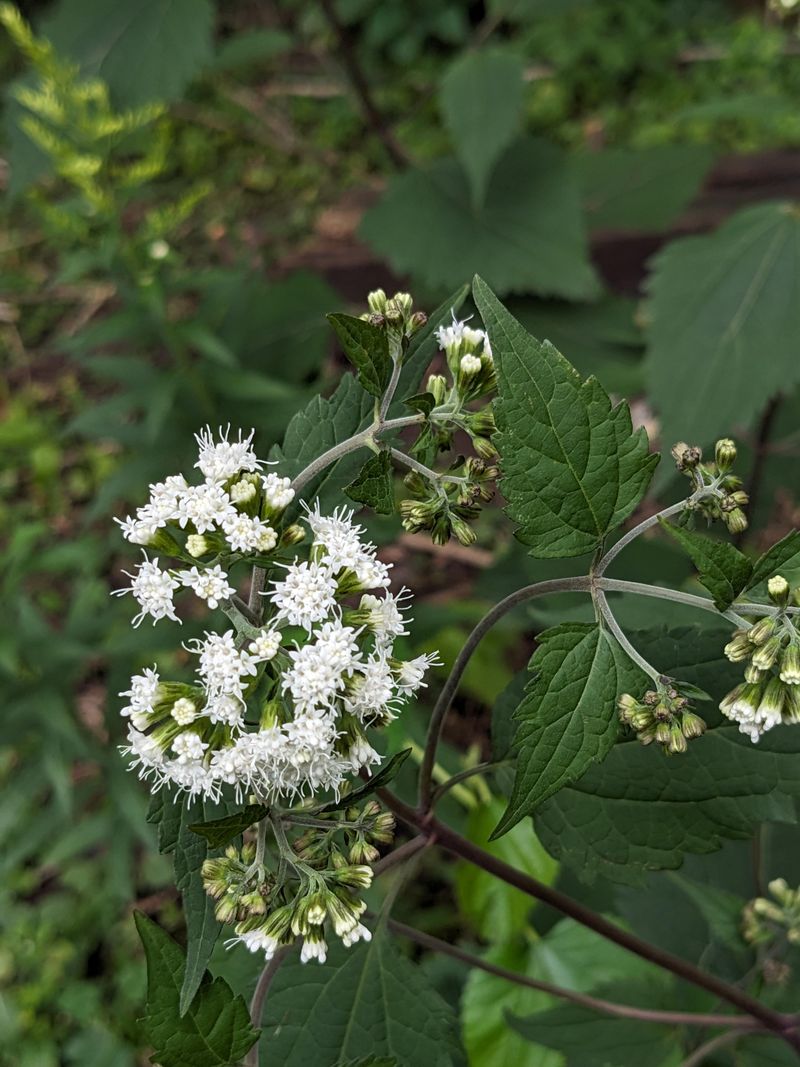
292	535
762	630
725	454
686	456
663	733
463	531
739	647
778	589
791	704
184	711
735	520
677	740
376	300
790	665
437	386
766	655
754	674
197	545
416	322
692	725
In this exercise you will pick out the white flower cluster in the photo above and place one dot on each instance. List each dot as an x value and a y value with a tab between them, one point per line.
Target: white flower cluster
281	710
459	339
230	512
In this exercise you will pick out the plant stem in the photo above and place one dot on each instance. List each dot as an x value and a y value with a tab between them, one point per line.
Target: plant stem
607	1007
465	849
637	530
617	631
401	854
426	472
442	706
462	776
618	585
260	996
702	1052
261	841
391	388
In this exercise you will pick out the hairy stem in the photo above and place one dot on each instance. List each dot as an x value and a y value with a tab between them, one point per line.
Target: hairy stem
606	1007
442	706
391	388
635	532
783	1025
259	998
420	468
615	628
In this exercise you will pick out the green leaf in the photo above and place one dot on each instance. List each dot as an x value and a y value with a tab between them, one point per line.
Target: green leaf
319	426
723	569
528	235
572	467
481	101
374	485
568	716
641	188
385	775
367	348
422	402
220	832
367	1000
784	553
496	910
215	1031
723	313
150	50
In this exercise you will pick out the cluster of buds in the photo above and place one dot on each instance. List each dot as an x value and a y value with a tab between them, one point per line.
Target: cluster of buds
316	889
773	922
394	313
663	716
718	494
445	507
770	693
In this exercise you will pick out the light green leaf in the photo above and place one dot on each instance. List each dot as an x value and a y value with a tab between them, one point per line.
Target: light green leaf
496	910
220	832
214	1032
367	348
572	467
724	313
481	101
641	188
374	485
528	235
784	553
367	1000
723	569
150	50
568	716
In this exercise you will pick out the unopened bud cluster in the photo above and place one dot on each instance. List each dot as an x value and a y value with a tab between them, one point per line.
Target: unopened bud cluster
719	493
395	314
446	509
662	716
772	922
310	896
770	647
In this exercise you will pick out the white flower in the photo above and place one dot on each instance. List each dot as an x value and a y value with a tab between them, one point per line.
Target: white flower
258	941
265	645
242	492
225	708
137	530
313	950
145	751
314	677
278	492
192	776
184	711
372	688
358	933
205	506
188	746
220	460
223	667
246	534
210	584
362	754
339	537
372	574
469	365
143	692
153	589
411	672
306	595
386	618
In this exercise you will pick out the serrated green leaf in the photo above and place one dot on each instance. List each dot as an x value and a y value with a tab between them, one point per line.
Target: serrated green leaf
572	467
496	910
214	1032
367	1000
481	101
374	485
784	553
568	717
422	402
723	569
641	188
423	347
377	781
220	832
367	348
133	48
723	313
528	235
318	427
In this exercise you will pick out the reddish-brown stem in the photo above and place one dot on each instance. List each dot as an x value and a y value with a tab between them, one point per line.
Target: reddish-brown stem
783	1025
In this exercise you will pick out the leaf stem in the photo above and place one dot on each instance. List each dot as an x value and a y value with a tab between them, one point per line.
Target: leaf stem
391	388
445	698
606	1007
462	776
426	472
660	592
778	1023
635	532
607	616
259	998
702	1052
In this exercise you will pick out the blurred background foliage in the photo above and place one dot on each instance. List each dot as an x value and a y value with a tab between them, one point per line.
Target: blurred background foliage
189	188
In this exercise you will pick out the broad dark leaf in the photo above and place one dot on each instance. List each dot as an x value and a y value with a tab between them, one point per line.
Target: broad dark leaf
723	569
367	348
374	485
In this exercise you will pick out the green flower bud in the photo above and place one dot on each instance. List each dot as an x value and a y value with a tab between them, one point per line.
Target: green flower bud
437	385
463	531
677	740
736	521
762	630
754	674
416	322
647	736
663	733
790	665
767	654
692	725
292	535
739	647
778	589
791	705
627	706
725	454
376	301
771	706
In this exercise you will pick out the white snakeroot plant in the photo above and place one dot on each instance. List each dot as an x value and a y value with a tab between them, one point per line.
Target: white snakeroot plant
280	720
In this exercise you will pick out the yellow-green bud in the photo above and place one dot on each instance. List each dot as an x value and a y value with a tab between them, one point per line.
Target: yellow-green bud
292	535
778	589
725	454
197	545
